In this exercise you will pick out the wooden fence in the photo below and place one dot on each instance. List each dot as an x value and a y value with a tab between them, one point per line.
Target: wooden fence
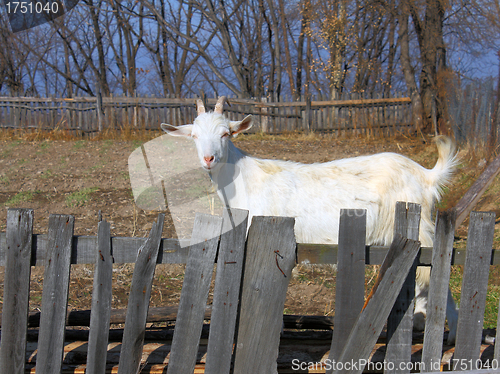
474	112
252	275
85	115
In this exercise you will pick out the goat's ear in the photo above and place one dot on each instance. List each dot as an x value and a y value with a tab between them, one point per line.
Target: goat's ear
184	130
240	126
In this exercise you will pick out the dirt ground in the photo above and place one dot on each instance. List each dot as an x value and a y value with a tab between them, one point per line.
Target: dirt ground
84	177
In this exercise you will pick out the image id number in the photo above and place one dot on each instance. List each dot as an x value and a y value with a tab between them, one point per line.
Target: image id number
464	364
29	7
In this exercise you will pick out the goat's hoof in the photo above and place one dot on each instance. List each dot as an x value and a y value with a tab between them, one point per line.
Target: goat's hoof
419	321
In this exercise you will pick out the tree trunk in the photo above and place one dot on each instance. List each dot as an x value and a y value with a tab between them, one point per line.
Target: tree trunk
274	36
408	71
390	58
101	76
433	58
286	47
300	53
337	50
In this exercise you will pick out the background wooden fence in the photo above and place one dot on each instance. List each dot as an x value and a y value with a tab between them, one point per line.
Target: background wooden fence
352	113
474	112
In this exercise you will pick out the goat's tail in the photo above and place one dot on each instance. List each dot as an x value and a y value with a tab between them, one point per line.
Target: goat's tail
446	163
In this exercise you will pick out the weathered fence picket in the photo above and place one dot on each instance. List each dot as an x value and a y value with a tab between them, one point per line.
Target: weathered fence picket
194	294
269	259
438	289
250	287
16	291
400	322
101	302
138	302
55	294
226	292
474	286
349	292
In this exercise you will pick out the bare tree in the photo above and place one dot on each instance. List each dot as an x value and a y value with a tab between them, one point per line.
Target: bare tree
196	45
406	64
94	10
130	29
174	54
12	60
330	27
429	30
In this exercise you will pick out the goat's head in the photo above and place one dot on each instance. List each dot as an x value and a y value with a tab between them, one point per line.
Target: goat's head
211	132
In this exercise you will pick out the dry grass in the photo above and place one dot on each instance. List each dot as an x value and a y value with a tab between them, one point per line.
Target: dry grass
126	133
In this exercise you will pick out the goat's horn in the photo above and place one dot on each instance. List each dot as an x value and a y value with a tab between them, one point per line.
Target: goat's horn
220	105
200	107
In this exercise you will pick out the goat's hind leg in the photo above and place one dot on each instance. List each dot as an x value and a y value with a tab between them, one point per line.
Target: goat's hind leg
421	296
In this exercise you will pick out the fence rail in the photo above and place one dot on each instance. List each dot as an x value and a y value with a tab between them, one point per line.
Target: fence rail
352	113
175	251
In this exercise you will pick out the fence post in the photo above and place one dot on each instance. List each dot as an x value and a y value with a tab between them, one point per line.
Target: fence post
264	116
308	112
99	110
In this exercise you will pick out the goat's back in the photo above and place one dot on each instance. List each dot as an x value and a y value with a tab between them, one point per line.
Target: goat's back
315	193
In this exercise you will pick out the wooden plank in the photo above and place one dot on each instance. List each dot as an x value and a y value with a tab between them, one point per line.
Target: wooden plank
438	290
350	285
269	260
226	291
474	193
169	314
400	322
474	288
334	103
138	302
101	302
82	317
370	322
16	291
172	251
55	294
194	294
375	255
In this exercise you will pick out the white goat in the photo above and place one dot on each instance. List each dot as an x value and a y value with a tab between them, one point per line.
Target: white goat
314	193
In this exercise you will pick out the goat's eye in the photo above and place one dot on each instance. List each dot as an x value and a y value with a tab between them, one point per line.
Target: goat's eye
194	136
225	135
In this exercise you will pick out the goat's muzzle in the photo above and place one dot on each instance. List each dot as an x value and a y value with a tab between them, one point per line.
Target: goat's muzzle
208	161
